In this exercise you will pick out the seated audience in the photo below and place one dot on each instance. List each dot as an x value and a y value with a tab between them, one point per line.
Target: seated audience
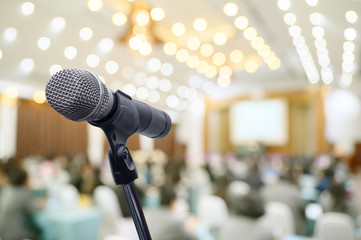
163	223
246	208
17	204
335	199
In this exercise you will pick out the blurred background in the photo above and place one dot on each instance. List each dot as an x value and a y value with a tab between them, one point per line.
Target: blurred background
264	98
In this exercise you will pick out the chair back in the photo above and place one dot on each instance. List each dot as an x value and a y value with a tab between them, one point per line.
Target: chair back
68	196
212	210
279	219
335	226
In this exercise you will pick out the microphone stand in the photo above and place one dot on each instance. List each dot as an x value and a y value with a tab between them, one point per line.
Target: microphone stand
118	129
124	173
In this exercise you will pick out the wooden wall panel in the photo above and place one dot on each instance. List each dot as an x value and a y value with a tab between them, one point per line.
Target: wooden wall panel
43	131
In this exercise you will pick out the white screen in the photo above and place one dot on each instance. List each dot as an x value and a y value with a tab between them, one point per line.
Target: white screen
259	121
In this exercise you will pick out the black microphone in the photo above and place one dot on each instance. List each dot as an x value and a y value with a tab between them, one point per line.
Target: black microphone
79	95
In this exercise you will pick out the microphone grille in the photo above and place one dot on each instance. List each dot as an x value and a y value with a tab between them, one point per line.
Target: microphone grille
77	95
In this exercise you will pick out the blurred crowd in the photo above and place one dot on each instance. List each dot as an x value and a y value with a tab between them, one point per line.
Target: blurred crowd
225	197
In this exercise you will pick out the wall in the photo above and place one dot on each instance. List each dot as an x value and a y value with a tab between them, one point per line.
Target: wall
306	123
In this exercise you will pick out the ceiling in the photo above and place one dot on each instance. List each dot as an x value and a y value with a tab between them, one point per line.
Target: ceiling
264	15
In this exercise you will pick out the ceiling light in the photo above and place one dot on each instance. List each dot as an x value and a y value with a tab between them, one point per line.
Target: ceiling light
128	72
200	24
154	64
39	97
10	34
257	43
27	65
284	5
236	56
182	55
225	71
111	67
220	38
349	46
322	51
312	3
106	44
320	43
181	91
95	5
346	79
140	78
192	61
58	24
92	60
250	33
211	71
299	41
206	49
193	43
351	16
264	50
70	52
316	18
270	58
44	43
1	54
327	75
324	60
318	32
294	30
27	8
119	19
241	22
350	34
172	101
152	82
223	81
153	96
142	18
219	58
165	85
170	48
275	64
230	9
202	66
166	69
54	69
348	57
347	67
86	33
129	89
290	18
157	14
178	29
251	66
12	92
142	93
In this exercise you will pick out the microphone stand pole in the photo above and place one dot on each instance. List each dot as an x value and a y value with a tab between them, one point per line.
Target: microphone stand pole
118	129
124	173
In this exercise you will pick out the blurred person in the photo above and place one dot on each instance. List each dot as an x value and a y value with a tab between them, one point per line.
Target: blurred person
17	205
246	208
284	190
163	223
337	199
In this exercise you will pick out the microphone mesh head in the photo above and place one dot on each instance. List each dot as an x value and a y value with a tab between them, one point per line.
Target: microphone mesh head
77	95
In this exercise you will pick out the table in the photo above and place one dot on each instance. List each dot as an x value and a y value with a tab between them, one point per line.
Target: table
69	224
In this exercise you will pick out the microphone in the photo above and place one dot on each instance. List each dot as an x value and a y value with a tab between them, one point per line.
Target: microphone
79	95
